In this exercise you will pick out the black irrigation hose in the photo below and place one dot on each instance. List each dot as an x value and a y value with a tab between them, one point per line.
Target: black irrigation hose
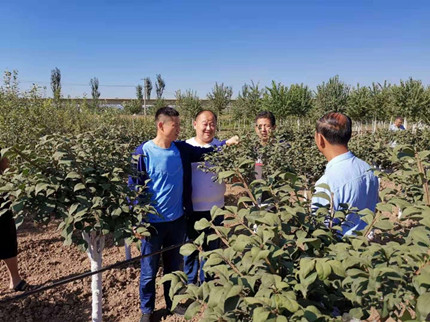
66	280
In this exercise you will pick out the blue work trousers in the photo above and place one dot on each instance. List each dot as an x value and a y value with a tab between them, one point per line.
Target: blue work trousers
162	235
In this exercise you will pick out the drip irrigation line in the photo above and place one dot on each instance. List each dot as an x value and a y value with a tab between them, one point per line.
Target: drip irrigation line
53	284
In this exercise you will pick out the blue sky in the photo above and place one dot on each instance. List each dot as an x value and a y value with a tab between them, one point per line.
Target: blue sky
194	44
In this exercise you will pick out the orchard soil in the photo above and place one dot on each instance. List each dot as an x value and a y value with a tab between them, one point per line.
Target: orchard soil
43	258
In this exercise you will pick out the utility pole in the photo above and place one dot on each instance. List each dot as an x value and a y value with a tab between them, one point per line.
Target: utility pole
144	97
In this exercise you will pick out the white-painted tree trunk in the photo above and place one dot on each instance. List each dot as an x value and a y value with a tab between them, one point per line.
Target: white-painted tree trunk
127	251
96	244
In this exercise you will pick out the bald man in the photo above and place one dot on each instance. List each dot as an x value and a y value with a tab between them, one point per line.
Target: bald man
205	194
350	179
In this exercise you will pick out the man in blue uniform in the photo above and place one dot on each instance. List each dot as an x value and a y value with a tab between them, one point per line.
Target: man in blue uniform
350	179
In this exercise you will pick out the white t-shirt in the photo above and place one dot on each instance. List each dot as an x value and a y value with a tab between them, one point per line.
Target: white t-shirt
206	193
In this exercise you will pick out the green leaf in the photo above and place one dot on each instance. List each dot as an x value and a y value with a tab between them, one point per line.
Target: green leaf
202	224
225	174
384	224
73	208
78	186
188	249
40	187
73	175
192	310
423	306
260	314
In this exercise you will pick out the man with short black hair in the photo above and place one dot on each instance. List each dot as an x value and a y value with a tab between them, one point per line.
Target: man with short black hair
397	125
265	123
350	179
167	163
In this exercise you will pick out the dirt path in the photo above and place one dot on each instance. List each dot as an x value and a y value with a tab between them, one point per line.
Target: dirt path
42	258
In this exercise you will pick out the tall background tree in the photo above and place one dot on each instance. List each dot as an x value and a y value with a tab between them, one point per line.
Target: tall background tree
284	101
95	93
159	86
188	103
147	85
359	106
139	95
56	84
220	97
332	96
248	102
410	99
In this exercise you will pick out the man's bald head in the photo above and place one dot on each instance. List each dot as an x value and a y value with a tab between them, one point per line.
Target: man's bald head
335	127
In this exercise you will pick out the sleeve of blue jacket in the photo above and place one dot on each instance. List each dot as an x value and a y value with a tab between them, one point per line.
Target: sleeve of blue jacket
140	176
197	153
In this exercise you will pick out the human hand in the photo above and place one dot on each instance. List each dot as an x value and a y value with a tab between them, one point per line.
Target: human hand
233	140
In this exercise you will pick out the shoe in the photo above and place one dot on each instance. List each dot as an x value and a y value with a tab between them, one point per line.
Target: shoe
23	286
146	317
180	309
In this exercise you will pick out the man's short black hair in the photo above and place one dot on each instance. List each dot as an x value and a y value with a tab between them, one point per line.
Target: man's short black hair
166	111
266	115
398	118
335	127
202	111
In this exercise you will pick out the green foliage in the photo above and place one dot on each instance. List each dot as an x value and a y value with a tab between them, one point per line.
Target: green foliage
220	98
188	104
332	96
284	101
139	94
380	96
410	99
159	87
95	93
248	102
56	84
79	178
280	261
360	103
148	87
132	107
159	103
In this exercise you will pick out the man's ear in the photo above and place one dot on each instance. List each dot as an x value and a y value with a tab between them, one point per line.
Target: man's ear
320	140
194	124
160	125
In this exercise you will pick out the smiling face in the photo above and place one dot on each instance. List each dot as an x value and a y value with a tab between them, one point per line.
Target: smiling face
205	126
263	128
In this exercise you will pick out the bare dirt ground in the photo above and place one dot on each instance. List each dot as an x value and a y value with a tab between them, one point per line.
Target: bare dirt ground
43	258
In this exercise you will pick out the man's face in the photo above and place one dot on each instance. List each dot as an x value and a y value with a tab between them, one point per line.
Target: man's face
205	126
398	122
263	128
171	127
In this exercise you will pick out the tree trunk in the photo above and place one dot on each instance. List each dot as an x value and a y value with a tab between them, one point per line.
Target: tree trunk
96	244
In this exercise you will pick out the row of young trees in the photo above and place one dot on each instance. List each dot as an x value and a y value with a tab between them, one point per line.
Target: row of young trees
379	101
410	99
143	93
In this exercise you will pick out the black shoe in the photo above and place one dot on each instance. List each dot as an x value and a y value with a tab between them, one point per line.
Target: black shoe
180	309
146	317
